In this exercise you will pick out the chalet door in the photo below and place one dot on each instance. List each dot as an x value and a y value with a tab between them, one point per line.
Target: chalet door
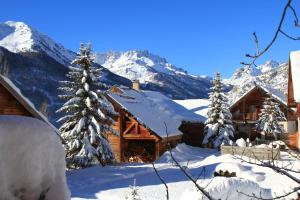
139	151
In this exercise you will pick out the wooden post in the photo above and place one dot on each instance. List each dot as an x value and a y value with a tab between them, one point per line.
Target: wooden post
137	128
244	110
157	145
121	129
298	134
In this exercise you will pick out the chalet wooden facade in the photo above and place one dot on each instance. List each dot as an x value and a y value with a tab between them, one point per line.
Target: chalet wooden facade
294	95
245	112
146	124
12	102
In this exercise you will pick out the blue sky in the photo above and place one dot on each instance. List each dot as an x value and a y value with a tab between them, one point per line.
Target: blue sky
199	36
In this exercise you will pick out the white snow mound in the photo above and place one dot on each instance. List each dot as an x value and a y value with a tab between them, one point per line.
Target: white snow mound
32	160
241	142
229	188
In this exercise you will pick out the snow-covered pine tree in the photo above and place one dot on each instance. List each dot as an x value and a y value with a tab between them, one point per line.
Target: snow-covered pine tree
88	114
218	126
269	118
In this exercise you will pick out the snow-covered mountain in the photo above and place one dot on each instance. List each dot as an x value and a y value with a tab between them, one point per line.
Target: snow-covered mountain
155	73
246	73
38	76
20	37
137	65
37	64
271	75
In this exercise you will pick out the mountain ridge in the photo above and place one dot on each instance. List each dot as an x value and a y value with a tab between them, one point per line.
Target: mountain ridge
42	57
19	37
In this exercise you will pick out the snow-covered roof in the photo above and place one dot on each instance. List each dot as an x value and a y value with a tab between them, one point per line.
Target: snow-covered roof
15	91
295	71
153	109
276	94
198	106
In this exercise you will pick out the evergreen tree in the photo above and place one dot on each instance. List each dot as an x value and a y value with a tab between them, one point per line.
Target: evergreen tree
269	118
218	126
88	114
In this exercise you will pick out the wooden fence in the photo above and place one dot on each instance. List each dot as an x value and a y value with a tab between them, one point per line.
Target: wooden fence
252	152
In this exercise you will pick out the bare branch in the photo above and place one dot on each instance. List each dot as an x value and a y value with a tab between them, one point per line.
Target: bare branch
256	42
273	167
294	190
288	36
277	169
259	53
202	190
162	180
295	15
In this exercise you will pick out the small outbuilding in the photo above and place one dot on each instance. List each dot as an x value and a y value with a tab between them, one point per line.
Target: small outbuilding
148	123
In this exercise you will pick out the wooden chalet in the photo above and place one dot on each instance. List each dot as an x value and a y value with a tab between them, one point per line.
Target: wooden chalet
147	124
12	102
245	111
294	95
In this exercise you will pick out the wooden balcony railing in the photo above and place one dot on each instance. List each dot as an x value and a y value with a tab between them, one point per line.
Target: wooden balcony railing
251	116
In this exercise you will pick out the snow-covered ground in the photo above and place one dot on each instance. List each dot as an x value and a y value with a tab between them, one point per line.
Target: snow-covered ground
111	182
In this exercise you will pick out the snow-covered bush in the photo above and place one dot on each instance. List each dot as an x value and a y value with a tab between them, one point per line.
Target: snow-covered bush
229	169
218	126
32	160
241	142
88	114
269	118
134	192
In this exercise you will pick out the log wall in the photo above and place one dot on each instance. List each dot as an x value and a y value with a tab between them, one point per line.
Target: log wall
9	104
115	144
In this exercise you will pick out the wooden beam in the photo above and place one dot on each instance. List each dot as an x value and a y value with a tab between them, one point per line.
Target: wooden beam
157	144
137	128
129	129
244	110
121	135
138	137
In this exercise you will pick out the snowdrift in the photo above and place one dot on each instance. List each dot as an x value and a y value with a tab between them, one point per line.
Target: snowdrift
32	160
229	188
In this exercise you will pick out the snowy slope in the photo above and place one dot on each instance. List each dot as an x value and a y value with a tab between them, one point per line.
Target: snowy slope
20	37
155	73
137	65
198	106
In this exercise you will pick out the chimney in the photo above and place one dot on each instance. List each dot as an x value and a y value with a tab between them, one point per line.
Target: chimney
136	85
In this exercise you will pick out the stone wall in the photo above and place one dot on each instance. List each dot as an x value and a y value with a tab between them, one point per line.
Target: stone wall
252	152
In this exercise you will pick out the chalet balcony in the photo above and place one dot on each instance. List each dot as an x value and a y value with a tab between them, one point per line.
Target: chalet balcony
251	116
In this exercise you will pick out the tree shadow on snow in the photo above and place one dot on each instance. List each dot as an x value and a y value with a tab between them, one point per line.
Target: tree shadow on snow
122	176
